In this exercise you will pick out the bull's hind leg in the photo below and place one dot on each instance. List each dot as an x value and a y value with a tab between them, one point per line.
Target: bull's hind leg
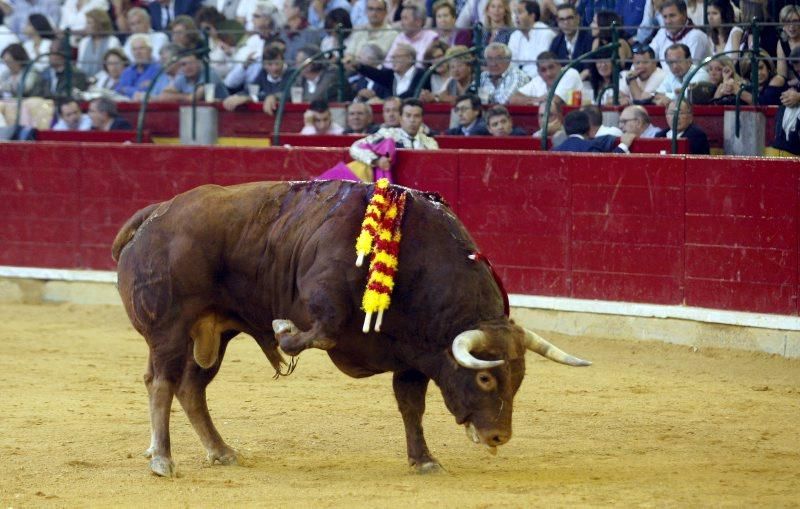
160	391
192	397
328	309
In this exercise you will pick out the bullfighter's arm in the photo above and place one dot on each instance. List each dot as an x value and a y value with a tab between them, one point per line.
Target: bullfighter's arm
365	155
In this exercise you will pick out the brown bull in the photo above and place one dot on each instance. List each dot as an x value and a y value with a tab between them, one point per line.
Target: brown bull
275	260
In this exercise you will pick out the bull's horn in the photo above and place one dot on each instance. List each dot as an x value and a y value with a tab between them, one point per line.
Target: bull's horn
465	342
538	344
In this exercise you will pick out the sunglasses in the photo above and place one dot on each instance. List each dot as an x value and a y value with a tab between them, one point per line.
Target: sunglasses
639	48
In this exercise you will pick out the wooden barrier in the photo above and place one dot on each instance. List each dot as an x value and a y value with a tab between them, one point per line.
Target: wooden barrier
93	136
493	143
703	231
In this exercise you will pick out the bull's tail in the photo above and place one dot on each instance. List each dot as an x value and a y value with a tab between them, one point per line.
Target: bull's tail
127	231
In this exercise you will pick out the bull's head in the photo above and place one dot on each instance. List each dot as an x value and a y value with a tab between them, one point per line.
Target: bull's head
479	387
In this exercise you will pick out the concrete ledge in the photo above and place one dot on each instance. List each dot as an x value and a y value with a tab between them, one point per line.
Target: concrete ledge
34	291
773	334
668	330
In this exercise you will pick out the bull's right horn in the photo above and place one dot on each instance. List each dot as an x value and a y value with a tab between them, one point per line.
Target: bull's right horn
465	342
538	344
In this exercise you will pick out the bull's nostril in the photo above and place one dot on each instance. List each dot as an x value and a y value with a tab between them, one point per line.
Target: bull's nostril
499	439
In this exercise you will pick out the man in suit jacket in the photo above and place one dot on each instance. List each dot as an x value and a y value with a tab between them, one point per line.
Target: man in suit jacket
698	141
104	115
470	122
402	80
500	123
318	79
162	12
577	126
570	43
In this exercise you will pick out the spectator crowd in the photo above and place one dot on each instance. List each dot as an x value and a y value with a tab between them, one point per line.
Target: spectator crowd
487	54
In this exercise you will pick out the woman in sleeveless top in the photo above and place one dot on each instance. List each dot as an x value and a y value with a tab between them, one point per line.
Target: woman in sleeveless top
99	39
790	38
722	35
498	22
40	34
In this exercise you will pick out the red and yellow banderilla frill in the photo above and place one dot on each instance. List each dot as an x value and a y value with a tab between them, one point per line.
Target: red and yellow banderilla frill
382	237
372	219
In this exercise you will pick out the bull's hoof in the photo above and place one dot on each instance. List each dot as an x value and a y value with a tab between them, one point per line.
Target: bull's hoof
429	467
149	452
162	466
292	341
229	457
281	327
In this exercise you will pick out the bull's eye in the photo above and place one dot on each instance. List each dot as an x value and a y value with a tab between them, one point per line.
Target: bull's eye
486	381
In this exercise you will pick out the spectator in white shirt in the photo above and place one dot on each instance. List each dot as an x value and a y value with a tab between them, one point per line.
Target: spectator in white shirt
139	23
536	91
317	119
501	80
246	9
70	117
7	37
39	35
640	83
678	29
531	38
377	31
73	13
412	21
680	65
96	42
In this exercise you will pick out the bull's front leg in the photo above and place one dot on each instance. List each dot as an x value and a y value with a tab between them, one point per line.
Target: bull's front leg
409	390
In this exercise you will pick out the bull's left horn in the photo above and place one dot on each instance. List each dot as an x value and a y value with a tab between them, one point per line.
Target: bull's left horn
465	342
538	344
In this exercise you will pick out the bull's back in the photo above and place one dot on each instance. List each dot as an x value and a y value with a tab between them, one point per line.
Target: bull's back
213	246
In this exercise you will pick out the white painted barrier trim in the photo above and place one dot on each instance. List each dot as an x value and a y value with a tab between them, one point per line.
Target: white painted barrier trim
762	321
92	276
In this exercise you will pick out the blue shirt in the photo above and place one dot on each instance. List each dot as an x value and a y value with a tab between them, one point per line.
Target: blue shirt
132	80
161	83
315	21
184	86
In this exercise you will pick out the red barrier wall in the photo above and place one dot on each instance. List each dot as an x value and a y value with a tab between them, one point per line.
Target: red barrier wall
710	232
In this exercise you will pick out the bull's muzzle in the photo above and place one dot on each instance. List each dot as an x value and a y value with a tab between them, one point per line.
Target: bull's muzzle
489	438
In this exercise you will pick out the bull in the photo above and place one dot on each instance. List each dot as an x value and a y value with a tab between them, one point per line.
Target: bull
275	260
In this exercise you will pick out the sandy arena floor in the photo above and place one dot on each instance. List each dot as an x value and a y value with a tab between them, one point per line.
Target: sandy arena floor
648	425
